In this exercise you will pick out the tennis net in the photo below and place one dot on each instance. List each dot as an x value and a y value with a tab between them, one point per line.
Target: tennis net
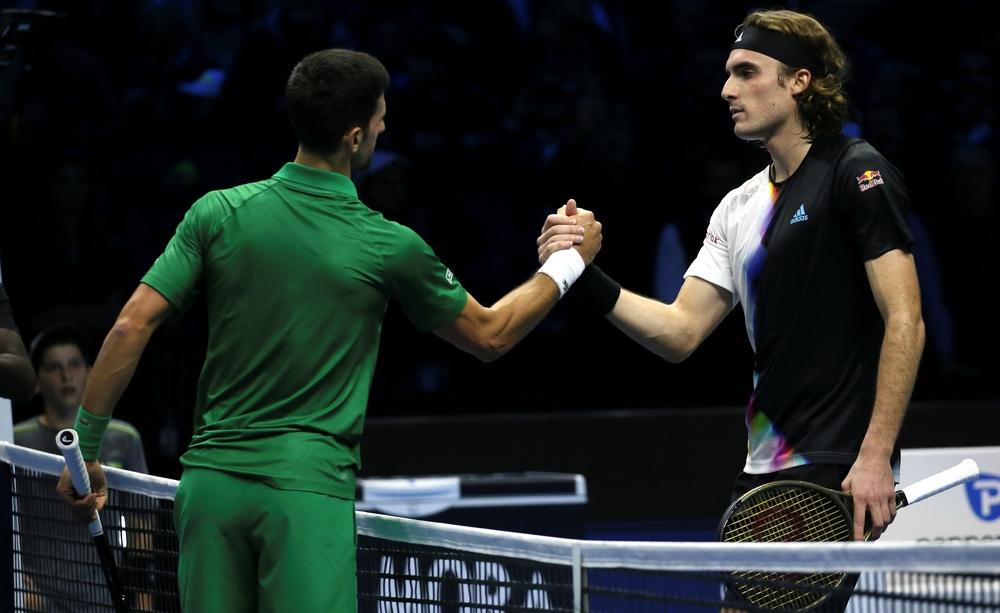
412	566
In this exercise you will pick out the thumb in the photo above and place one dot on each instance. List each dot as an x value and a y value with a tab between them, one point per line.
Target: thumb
570	207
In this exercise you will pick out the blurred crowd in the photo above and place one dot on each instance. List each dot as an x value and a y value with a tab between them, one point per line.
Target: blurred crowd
115	116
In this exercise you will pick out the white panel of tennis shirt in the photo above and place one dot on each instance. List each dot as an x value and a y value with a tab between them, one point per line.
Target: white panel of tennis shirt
733	237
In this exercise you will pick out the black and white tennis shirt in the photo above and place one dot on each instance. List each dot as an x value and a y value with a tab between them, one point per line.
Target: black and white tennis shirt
793	254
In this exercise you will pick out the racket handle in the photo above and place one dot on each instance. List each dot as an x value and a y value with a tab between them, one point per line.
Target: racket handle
69	444
966	470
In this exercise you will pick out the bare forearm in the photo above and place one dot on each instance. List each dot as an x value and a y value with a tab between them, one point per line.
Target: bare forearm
518	312
660	328
145	310
489	332
115	365
902	347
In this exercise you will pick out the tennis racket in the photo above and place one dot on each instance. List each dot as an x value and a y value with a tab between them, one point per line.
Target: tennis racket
69	444
797	511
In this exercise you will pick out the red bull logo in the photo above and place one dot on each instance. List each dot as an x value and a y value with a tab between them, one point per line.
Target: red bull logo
869	179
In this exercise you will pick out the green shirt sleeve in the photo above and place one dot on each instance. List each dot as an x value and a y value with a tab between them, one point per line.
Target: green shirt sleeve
427	290
176	273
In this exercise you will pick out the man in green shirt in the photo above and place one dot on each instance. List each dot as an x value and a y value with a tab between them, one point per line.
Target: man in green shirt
297	273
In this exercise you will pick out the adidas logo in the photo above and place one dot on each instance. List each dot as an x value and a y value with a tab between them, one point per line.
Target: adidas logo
800	215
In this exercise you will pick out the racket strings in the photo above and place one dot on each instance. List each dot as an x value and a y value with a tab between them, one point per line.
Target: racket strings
785	590
787	514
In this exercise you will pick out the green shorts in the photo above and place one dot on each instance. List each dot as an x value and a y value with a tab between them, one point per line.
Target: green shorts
246	546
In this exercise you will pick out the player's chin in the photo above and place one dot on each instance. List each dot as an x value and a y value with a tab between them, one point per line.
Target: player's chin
742	131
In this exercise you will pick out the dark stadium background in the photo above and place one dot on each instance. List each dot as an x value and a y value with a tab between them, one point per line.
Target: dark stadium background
117	116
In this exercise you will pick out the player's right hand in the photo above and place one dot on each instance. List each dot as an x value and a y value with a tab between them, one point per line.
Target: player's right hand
570	227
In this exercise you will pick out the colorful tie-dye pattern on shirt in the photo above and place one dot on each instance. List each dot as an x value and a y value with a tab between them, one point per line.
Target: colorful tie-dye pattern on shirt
753	266
767	449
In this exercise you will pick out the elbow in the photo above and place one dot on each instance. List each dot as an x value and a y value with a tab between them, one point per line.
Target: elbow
131	324
676	336
24	388
491	349
123	329
17	378
678	348
128	329
493	337
907	331
909	325
487	357
27	389
676	357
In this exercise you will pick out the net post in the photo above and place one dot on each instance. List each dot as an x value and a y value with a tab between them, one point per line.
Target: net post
577	578
6	539
6	416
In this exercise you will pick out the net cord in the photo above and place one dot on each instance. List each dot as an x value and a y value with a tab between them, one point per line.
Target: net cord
118	479
966	557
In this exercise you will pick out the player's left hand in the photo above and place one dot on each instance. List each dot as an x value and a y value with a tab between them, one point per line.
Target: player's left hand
870	483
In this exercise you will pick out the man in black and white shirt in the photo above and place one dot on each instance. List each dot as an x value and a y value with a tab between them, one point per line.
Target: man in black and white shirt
817	250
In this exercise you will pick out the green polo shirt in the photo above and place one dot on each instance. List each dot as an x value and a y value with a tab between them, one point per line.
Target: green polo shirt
297	273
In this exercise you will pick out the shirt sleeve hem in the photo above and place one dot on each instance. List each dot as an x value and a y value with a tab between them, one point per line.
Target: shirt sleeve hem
714	278
163	288
447	316
881	250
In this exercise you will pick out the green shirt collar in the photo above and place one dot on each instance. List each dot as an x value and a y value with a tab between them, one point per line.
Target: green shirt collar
316	179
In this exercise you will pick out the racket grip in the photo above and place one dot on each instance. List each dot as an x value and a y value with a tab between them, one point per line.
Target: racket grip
966	470
69	444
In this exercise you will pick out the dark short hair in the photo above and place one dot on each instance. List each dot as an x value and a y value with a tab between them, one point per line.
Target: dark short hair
330	92
60	333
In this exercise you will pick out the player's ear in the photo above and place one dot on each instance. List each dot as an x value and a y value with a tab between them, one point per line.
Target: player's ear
353	138
800	81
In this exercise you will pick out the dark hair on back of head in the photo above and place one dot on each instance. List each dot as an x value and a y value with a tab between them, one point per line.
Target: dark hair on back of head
330	92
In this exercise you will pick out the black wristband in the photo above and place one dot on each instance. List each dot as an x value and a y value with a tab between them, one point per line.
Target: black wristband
597	290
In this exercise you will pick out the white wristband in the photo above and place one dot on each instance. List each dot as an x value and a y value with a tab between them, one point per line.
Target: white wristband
564	267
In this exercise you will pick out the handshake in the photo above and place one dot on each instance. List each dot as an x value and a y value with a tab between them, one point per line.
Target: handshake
570	227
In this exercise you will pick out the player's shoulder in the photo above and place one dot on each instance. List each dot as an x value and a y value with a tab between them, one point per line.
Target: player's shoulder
211	211
739	196
862	164
860	151
399	236
238	195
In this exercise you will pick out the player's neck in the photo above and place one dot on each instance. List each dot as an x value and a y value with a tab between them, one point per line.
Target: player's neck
788	147
339	162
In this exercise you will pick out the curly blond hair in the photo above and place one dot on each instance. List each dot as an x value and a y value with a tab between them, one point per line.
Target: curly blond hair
823	105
